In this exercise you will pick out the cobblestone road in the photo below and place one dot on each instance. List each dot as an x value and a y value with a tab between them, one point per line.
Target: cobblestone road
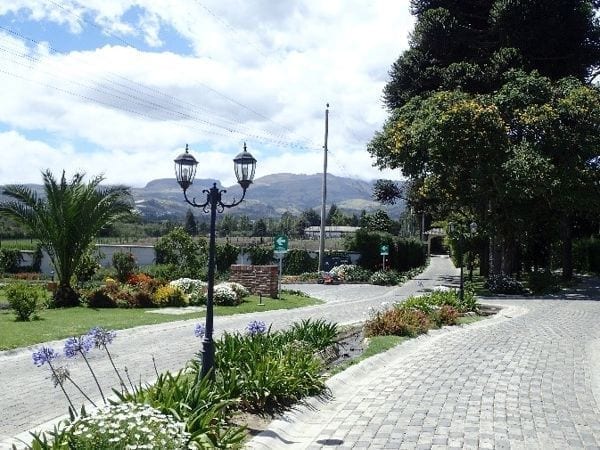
28	399
528	378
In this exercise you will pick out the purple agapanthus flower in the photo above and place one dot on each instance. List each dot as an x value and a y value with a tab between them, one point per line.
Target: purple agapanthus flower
256	327
101	336
79	344
44	355
199	330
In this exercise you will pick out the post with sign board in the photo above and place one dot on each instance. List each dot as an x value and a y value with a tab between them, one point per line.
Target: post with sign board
384	250
280	248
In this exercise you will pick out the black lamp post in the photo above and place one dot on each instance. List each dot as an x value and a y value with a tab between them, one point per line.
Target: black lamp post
185	170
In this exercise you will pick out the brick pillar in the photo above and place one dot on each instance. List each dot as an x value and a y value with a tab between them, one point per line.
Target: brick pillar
257	279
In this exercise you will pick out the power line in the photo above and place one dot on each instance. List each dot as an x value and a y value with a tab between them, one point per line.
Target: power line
226	97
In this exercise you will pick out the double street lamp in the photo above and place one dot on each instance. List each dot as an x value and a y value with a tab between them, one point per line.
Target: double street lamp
244	165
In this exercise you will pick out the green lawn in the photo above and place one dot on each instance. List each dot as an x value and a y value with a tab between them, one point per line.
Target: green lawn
62	323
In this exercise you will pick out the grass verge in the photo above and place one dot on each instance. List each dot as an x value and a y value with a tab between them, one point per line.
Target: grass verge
380	344
61	323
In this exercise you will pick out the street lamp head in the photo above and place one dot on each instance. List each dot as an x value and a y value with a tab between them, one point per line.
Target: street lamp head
473	227
185	169
244	165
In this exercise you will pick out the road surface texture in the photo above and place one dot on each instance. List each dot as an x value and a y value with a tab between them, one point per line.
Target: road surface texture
529	378
29	399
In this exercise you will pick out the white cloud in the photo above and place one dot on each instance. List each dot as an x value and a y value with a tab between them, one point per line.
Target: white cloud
134	110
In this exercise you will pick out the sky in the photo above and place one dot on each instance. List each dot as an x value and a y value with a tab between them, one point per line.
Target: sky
119	87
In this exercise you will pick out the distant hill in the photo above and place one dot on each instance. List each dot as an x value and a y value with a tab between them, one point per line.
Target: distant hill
268	196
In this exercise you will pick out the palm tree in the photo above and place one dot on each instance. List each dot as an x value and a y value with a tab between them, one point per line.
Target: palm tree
65	220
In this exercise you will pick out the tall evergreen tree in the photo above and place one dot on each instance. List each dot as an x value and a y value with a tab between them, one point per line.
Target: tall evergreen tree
189	224
469	45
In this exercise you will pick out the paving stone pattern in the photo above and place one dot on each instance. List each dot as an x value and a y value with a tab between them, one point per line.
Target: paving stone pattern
28	399
522	380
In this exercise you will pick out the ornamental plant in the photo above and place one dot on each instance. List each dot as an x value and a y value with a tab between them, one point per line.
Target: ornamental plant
224	295
80	345
24	299
351	272
504	284
195	290
124	426
384	278
169	296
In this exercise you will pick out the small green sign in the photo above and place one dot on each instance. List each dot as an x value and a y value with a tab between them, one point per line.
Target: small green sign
280	244
384	250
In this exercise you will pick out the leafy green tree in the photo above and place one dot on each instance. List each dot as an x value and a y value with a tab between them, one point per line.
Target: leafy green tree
311	217
66	220
260	228
189	223
185	256
470	45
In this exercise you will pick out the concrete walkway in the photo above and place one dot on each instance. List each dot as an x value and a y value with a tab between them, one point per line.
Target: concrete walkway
529	378
29	400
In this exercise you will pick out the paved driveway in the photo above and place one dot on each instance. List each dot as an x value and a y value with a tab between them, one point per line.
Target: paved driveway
528	378
28	399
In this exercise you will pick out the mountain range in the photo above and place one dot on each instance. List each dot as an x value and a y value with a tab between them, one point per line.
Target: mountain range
268	196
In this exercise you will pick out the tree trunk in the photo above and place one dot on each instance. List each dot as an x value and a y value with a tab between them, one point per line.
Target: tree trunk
484	260
65	296
567	248
495	256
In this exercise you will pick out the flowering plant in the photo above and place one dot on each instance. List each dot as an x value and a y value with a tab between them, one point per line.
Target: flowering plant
256	327
199	330
225	295
127	426
194	289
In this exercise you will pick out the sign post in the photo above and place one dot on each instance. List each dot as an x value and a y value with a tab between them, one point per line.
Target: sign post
280	248
384	250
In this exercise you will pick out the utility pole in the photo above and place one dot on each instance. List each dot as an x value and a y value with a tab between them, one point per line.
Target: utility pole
324	190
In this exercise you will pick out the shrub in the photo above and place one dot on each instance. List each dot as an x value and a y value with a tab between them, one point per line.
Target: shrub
309	276
194	289
184	256
586	255
138	279
10	260
112	295
260	255
169	296
445	315
225	295
24	299
226	255
124	264
88	265
503	284
397	321
297	261
542	282
240	290
384	278
350	272
131	426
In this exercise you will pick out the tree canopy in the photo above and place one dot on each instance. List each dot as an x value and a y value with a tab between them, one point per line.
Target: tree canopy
471	45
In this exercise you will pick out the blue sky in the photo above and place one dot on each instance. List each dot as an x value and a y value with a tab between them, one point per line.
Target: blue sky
119	87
